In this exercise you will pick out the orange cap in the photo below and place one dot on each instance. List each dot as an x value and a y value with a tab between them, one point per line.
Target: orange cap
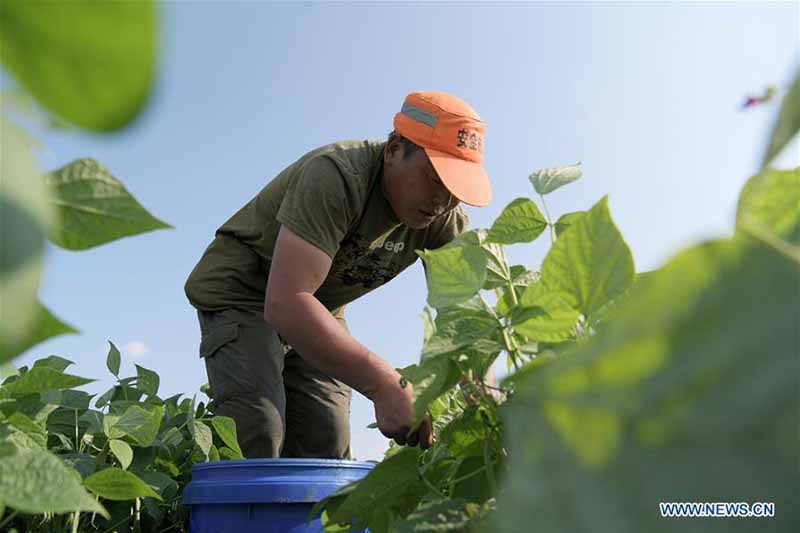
451	133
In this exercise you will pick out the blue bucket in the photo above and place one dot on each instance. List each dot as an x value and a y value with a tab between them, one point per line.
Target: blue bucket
264	495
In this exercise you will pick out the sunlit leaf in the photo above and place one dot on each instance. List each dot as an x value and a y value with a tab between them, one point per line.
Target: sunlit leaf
566	220
94	208
772	200
25	217
786	125
714	328
93	63
36	481
590	264
42	378
113	360
44	326
226	429
147	381
548	180
116	484
122	451
454	274
555	321
520	221
203	437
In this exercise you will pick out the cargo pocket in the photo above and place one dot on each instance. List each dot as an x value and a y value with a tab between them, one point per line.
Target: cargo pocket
217	338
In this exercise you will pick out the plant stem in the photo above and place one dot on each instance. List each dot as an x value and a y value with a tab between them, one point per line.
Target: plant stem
112	528
488	465
549	220
472	474
77	442
760	232
488	307
430	485
9	518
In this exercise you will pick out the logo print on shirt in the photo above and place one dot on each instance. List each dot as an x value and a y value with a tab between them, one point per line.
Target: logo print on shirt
395	247
357	264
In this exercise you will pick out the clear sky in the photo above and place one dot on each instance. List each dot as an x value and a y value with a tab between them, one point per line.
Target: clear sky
645	95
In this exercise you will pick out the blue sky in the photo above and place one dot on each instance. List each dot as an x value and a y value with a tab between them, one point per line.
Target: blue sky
645	95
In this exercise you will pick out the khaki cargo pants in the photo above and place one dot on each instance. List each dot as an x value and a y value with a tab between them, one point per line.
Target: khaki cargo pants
283	407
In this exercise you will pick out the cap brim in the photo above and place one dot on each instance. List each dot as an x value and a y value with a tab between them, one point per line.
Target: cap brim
465	180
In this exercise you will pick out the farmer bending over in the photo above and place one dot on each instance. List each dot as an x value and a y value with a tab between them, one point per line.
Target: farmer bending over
271	288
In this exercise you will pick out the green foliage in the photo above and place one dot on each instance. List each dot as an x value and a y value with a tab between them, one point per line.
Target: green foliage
103	49
547	180
127	458
589	265
93	207
520	221
688	373
786	125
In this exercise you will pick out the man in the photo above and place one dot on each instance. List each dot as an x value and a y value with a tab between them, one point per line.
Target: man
271	288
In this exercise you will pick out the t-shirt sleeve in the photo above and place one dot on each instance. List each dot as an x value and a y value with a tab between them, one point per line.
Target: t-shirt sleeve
456	223
319	205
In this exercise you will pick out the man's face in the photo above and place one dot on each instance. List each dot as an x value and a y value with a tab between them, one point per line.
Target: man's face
413	188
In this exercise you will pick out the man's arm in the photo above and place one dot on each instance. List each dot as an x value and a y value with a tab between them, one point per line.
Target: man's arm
298	269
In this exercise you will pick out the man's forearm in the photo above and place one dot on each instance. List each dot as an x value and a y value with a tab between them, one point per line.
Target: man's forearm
315	334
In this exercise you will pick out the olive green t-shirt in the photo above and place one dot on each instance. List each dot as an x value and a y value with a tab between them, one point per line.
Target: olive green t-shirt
331	197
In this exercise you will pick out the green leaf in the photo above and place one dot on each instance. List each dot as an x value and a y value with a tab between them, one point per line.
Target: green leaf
36	481
547	180
461	326
112	362
72	399
227	453
553	319
115	484
694	382
141	424
771	200
148	380
94	207
165	485
566	220
190	422
25	217
454	274
521	279
84	463
432	378
520	221
786	125
203	438
41	379
428	324
122	451
44	326
389	483
55	362
213	453
436	515
498	273
226	429
35	431
106	50
590	264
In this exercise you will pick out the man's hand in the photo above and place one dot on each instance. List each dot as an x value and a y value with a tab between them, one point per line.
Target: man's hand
394	412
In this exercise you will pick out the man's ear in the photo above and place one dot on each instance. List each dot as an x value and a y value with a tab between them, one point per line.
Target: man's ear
394	149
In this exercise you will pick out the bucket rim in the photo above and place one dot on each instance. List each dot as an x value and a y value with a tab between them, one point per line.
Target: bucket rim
288	463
